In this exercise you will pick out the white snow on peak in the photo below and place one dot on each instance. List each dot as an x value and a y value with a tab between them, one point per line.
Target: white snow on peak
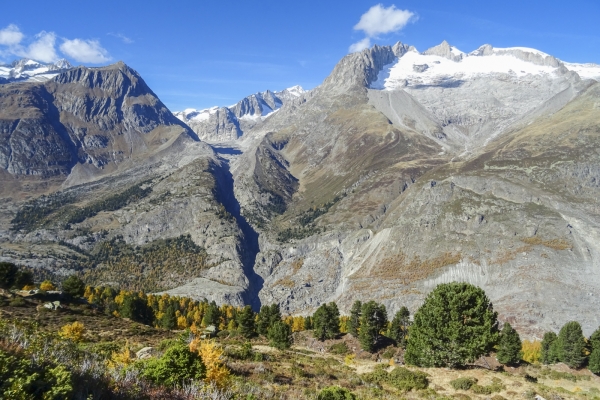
523	49
296	90
415	69
585	71
456	51
191	114
31	70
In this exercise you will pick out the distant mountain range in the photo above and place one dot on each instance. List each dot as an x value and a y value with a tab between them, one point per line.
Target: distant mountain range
402	170
221	124
32	71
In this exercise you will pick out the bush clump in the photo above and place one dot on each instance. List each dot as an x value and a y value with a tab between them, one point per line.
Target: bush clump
339	348
177	366
407	380
335	393
463	383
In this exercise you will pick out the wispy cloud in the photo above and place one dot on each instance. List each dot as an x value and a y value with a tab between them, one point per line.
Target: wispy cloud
379	20
124	39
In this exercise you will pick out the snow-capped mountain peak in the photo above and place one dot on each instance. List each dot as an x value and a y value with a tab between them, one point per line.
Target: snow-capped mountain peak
30	70
444	63
218	124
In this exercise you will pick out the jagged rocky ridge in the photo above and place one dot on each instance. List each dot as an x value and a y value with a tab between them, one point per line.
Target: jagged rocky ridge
32	71
401	171
225	124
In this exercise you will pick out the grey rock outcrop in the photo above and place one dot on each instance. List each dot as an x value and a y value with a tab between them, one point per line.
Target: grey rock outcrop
444	50
226	124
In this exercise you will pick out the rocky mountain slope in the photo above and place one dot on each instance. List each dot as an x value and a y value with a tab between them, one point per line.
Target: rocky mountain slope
224	124
394	176
98	176
402	170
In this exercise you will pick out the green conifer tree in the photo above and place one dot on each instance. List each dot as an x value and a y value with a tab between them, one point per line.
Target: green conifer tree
354	321
168	319
549	348
326	322
275	314
571	345
264	320
212	315
399	327
280	335
372	320
455	325
246	322
509	346
73	286
308	325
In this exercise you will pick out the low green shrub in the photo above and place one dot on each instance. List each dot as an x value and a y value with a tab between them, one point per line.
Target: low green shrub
463	383
478	389
335	393
339	348
407	380
21	379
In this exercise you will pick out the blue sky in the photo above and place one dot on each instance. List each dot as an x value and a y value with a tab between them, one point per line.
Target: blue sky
196	54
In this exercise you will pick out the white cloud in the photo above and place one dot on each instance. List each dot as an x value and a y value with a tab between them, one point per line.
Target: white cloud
87	51
380	20
11	35
42	49
360	45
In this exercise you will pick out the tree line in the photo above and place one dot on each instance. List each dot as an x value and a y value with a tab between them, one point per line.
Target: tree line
455	325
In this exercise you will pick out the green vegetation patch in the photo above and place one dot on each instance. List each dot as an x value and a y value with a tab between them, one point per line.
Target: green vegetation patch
110	203
159	265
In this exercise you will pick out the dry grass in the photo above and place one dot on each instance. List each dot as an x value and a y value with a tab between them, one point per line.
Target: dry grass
408	270
286	282
556	244
296	265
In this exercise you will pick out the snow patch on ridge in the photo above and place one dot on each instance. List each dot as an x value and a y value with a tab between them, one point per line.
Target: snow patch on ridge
408	70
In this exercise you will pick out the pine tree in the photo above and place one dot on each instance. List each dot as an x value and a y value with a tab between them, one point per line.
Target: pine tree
594	340
372	320
509	346
168	319
280	335
212	315
73	286
354	321
399	327
264	319
550	348
308	325
135	308
326	322
455	325
246	322
571	345
275	315
594	361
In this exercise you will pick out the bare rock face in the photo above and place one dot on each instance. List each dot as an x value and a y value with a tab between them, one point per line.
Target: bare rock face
100	116
444	50
227	124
